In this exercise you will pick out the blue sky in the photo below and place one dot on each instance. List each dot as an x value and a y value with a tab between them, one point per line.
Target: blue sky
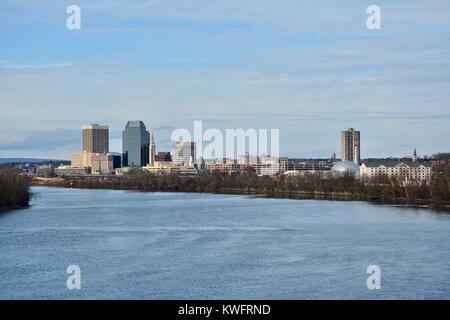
309	68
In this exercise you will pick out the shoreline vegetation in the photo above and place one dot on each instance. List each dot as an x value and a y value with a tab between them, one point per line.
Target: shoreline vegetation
14	189
382	190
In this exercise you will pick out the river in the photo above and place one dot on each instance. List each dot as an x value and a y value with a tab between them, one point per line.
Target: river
135	245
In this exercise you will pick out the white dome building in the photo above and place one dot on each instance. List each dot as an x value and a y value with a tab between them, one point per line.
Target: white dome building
345	167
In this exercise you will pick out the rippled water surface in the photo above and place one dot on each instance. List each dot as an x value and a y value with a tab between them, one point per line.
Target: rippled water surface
132	245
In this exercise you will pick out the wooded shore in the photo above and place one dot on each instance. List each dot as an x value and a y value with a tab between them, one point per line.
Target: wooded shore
308	186
14	189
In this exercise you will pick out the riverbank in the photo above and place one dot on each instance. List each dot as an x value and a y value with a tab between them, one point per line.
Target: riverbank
50	182
340	189
14	189
335	196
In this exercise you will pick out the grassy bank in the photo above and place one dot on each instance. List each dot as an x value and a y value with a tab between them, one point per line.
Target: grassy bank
14	189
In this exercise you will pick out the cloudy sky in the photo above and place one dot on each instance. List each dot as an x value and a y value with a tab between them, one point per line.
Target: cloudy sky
309	68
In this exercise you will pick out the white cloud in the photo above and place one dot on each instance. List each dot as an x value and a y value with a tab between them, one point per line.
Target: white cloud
286	64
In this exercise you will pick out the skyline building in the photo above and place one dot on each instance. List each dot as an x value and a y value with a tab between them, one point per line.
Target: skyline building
95	157
351	147
152	150
135	144
163	156
102	163
95	138
184	153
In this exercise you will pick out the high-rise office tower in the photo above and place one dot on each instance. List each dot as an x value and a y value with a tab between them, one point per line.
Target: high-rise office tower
351	149
184	153
135	143
95	138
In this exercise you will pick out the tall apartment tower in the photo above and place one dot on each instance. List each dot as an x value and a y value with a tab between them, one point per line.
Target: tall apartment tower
95	138
184	153
135	143
351	148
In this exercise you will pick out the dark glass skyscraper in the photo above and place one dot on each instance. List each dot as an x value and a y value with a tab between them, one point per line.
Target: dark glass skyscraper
135	143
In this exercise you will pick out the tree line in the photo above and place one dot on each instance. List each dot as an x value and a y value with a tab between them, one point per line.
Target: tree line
14	189
308	185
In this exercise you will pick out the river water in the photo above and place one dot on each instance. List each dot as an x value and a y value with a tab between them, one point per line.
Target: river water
132	245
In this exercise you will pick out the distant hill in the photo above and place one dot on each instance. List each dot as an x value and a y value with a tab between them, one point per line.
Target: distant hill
28	160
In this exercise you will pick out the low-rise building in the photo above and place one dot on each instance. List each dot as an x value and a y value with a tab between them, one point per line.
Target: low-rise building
404	170
45	170
166	167
228	168
184	153
81	159
102	163
223	165
72	171
269	166
123	170
246	159
163	156
310	165
262	165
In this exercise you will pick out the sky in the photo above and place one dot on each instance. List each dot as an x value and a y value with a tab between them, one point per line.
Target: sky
307	68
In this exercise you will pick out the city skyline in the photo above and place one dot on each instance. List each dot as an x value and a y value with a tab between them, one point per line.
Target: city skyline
258	65
102	131
140	142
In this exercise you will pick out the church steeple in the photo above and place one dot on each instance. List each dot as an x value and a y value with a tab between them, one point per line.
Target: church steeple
414	158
